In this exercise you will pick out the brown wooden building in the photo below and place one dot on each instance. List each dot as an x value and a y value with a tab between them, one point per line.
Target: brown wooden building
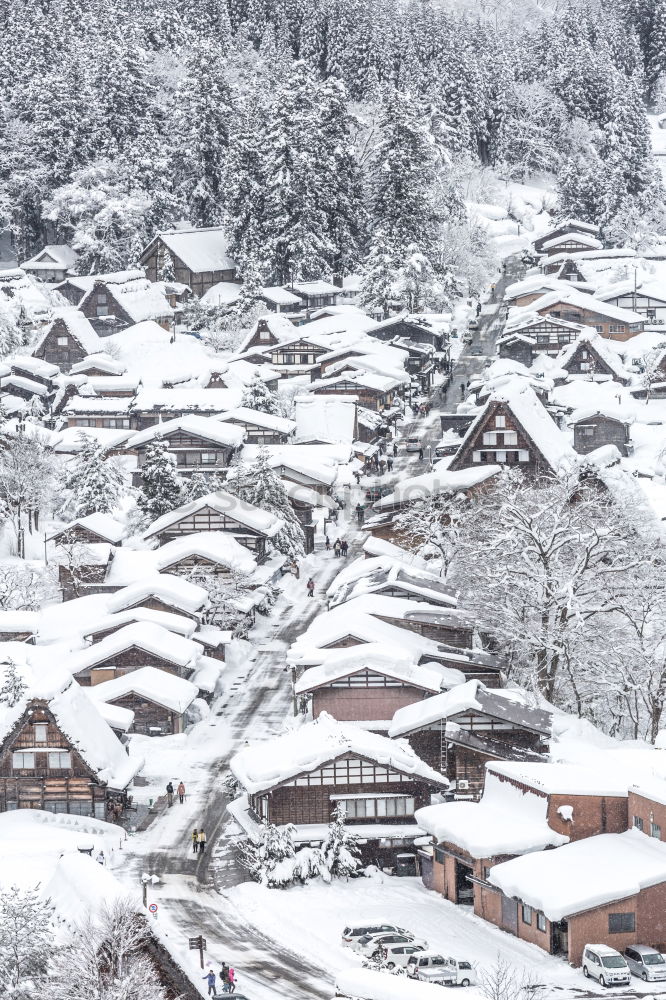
92	529
576	307
198	258
460	731
594	429
565	228
159	702
118	301
67	340
219	511
588	355
198	444
58	754
134	646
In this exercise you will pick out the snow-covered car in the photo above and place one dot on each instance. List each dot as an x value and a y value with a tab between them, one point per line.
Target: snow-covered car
473	324
606	965
372	944
465	974
431	968
646	963
352	934
398	954
413	444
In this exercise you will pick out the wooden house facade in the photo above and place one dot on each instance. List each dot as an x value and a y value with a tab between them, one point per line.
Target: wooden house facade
199	258
192	451
116	302
596	430
67	340
584	310
566	228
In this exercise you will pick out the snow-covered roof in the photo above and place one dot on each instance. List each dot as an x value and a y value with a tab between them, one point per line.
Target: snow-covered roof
278	325
598	344
534	283
381	547
101	360
146	636
204	427
279	296
140	298
58	254
364	379
78	327
172	590
507	705
245	513
74	712
377	657
440	480
174	623
315	288
217	546
18	621
172	692
584	413
526	407
365	575
200	249
98	404
239	373
584	875
243	414
556	778
22	293
649	289
588	241
336	624
325	418
119	718
210	401
101	524
280	759
571	296
35	366
507	820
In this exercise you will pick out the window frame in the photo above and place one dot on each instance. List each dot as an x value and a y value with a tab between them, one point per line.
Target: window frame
622	923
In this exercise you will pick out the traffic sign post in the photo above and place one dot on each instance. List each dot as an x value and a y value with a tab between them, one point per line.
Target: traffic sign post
198	944
153	909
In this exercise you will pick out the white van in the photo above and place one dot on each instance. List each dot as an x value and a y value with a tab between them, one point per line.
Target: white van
606	965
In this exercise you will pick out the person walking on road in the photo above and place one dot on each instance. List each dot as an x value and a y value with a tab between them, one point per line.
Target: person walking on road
395	449
293	565
169	791
224	977
201	840
328	544
181	792
232	980
389	464
311	587
421	454
195	840
210	979
344	547
336	547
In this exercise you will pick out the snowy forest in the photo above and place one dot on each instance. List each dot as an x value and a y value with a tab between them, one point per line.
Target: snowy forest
328	137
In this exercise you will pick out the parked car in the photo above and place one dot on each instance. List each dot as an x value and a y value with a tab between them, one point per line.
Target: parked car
413	444
645	962
465	974
606	965
473	324
431	968
476	352
352	934
399	954
372	944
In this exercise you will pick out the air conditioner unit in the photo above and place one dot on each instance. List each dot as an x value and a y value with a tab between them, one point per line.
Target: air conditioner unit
462	785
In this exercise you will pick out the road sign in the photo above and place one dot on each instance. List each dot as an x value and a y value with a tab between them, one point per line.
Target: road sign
153	907
198	944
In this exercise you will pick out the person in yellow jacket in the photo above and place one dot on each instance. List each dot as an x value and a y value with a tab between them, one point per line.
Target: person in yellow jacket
195	840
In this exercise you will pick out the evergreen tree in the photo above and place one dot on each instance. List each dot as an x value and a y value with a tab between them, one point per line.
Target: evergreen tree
340	849
166	270
162	489
257	396
200	485
261	486
11	692
380	273
96	484
250	291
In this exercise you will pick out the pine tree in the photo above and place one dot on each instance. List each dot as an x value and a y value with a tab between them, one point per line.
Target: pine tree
200	485
95	483
257	396
340	850
162	489
13	687
379	275
261	486
166	267
250	291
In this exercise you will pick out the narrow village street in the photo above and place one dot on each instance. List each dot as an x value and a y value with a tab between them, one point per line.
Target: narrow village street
196	894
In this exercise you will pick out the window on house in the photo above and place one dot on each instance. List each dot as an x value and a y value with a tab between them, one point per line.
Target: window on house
527	914
371	808
41	732
651	313
22	760
587	431
63	341
500	457
102	310
655	831
486	872
101	298
584	354
585	366
500	423
638	823
264	334
599	328
59	760
621	923
208	457
541	921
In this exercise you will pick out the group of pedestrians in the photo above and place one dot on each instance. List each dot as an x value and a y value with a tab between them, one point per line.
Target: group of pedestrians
180	791
198	841
340	548
227	978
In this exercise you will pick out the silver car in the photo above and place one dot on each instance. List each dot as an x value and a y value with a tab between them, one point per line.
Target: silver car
646	963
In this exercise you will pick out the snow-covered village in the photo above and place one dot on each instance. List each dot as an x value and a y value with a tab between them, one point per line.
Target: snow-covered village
333	455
